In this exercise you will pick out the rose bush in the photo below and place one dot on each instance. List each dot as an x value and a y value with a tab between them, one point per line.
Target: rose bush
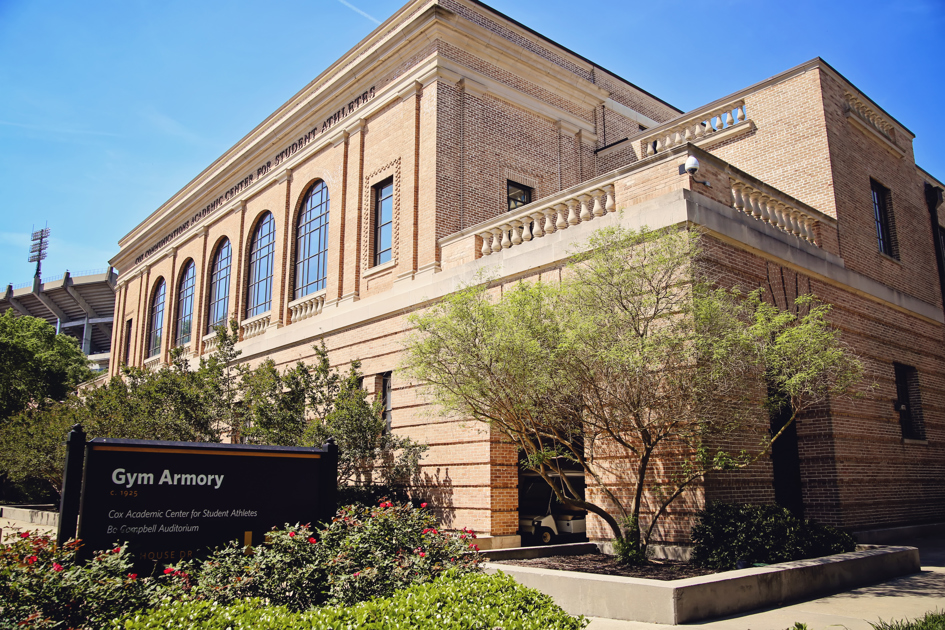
362	554
371	552
42	585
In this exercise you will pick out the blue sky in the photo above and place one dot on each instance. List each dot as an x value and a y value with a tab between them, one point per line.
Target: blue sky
107	107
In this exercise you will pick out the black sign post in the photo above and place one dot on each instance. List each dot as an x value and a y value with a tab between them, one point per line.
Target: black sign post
71	484
173	501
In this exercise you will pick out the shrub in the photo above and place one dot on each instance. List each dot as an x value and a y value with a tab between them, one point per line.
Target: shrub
283	571
363	553
467	602
726	533
42	585
933	620
371	552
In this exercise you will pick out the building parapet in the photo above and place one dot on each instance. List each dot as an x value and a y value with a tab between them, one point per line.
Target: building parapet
775	208
711	121
581	204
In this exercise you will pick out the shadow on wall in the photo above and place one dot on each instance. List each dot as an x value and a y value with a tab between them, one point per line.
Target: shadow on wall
437	491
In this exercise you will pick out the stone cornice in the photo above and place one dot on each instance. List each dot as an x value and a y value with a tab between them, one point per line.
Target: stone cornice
308	106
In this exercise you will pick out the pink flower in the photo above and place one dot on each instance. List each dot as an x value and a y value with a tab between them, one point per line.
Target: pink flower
357	574
168	571
291	534
24	534
423	505
422	554
132	576
31	559
312	540
56	567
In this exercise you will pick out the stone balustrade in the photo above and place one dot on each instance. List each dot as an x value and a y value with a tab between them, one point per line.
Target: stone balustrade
210	342
255	326
536	220
152	363
774	209
870	117
697	126
307	306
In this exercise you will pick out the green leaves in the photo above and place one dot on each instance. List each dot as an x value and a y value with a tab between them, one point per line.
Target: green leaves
452	602
634	358
726	533
37	366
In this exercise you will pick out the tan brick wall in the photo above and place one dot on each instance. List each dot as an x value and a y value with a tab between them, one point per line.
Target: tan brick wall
450	149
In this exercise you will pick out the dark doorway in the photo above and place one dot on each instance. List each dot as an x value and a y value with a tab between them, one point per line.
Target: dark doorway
786	463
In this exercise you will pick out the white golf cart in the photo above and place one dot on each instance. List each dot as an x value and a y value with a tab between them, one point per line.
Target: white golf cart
542	518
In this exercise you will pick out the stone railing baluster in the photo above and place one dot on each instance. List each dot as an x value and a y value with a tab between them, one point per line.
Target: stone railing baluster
699	125
598	210
486	243
776	211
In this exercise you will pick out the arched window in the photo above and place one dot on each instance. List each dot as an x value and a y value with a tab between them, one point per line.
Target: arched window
185	305
259	279
219	287
311	251
157	319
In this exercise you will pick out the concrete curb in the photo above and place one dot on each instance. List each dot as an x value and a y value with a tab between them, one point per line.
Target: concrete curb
521	553
26	515
894	534
694	599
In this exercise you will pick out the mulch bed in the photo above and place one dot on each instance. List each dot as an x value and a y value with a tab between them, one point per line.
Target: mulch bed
603	564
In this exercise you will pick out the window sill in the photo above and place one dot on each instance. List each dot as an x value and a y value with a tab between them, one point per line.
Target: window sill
373	271
890	258
915	442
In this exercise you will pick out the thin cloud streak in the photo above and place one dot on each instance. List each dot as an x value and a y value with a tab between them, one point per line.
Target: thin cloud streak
354	8
78	132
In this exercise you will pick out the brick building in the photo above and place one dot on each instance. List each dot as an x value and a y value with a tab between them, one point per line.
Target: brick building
453	139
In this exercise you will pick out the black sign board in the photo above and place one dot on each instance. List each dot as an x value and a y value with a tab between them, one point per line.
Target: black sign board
173	501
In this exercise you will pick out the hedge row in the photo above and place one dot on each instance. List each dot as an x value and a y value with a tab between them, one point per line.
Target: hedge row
460	602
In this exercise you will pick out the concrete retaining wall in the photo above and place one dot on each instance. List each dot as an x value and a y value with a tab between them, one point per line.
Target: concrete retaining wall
28	515
693	599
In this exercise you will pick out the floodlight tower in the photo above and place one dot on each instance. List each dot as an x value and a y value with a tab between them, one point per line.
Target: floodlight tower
38	250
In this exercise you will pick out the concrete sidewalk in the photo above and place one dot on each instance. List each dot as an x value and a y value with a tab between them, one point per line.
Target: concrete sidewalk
903	598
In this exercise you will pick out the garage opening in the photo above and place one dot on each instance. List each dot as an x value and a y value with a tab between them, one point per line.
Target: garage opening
542	518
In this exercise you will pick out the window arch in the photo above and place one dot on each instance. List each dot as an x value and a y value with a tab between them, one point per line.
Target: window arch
219	286
311	237
259	279
157	319
185	304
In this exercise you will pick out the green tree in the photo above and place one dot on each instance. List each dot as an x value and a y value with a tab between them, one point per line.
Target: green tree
368	453
222	376
37	366
634	368
166	404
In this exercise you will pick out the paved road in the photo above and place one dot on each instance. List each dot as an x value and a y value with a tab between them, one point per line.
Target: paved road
903	598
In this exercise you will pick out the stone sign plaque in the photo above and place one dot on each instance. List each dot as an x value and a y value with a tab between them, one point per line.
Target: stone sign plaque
173	501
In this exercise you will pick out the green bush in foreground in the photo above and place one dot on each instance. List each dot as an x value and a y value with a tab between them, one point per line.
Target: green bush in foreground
932	621
727	533
467	602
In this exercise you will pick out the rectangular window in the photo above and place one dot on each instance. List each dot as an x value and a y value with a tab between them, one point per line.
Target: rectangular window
885	226
385	393
383	221
518	195
908	403
128	341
